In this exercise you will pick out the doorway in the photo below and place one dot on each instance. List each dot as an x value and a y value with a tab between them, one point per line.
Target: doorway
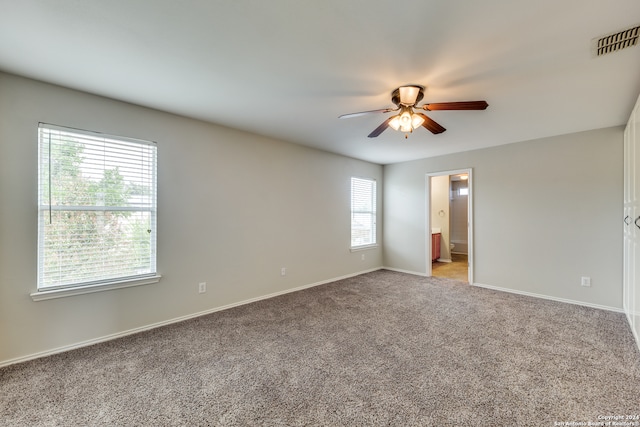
449	225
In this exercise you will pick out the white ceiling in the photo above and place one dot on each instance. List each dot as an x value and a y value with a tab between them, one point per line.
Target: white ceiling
288	68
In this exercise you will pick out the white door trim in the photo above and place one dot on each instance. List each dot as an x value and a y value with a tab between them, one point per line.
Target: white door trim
427	238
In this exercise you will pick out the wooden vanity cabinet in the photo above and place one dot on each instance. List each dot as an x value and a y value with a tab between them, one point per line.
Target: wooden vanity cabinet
435	246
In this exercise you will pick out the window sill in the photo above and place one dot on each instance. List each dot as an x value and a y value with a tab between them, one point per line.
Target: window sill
363	247
88	289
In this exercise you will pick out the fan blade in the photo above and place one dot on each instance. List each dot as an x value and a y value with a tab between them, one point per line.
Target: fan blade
431	125
362	113
377	131
464	105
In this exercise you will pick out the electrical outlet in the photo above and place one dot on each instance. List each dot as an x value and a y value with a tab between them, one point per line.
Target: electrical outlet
586	281
202	287
362	257
283	271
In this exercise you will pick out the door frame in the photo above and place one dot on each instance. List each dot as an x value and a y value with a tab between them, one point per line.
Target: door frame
427	238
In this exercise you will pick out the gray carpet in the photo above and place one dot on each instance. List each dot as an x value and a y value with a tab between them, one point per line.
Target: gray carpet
380	349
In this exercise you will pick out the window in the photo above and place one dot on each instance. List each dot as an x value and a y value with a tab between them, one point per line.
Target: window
97	209
363	212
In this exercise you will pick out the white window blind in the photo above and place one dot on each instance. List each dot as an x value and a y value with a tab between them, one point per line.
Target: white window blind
363	212
97	208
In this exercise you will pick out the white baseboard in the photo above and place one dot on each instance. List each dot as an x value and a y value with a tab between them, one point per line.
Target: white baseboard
415	273
635	336
629	316
568	301
174	320
444	260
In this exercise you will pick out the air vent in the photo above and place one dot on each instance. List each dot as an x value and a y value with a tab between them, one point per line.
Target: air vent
615	42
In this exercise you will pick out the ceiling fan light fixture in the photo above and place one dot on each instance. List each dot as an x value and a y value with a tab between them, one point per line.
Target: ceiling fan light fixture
409	94
416	121
394	122
405	121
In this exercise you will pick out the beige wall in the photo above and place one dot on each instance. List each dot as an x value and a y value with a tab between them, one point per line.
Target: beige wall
546	212
233	209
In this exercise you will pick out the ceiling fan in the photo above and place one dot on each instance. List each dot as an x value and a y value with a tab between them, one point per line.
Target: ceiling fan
405	98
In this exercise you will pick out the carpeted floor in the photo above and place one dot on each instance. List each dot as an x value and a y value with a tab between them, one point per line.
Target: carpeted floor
380	349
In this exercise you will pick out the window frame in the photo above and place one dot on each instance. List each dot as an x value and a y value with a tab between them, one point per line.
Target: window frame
149	171
372	211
